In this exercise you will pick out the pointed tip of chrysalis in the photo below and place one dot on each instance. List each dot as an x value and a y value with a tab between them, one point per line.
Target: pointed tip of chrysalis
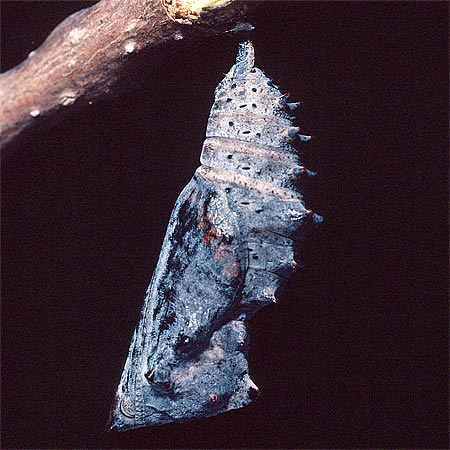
245	59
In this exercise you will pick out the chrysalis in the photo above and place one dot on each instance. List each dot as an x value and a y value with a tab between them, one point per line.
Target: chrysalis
232	241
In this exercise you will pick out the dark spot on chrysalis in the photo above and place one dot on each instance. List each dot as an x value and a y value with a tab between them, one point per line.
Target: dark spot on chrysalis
258	135
230	124
242	106
233	86
157	310
254	105
167	321
246	132
228	239
228	190
229	100
169	294
230	156
182	342
254	89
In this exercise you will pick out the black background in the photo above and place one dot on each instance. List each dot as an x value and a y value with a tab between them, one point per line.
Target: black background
355	355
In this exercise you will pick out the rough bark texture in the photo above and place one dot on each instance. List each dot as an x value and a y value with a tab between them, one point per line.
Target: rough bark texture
90	52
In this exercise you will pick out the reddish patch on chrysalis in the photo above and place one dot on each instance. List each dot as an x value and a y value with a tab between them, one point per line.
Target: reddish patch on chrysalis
209	236
213	398
222	251
210	231
203	223
294	264
232	269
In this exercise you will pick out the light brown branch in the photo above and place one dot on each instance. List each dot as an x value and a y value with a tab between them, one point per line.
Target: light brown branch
89	54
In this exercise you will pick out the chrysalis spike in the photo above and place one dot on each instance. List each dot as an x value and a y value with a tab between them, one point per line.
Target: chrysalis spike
297	171
312	217
304	138
292	132
302	171
282	102
317	219
272	84
293	106
310	173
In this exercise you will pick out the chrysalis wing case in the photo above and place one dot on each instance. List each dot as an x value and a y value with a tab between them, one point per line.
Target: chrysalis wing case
231	244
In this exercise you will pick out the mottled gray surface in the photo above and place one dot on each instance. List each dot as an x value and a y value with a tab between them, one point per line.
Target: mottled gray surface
231	244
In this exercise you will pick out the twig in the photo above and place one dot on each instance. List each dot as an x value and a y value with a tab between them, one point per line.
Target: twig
89	55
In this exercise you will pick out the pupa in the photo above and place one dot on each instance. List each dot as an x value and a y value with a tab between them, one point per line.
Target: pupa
232	242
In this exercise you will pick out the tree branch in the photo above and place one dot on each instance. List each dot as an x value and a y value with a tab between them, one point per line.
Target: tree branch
90	54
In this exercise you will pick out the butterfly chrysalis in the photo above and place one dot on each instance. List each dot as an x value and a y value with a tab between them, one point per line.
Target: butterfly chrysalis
233	240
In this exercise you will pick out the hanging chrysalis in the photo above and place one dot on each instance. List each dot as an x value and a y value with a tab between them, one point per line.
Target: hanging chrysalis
231	244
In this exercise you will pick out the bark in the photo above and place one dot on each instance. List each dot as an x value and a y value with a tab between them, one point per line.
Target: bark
90	54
